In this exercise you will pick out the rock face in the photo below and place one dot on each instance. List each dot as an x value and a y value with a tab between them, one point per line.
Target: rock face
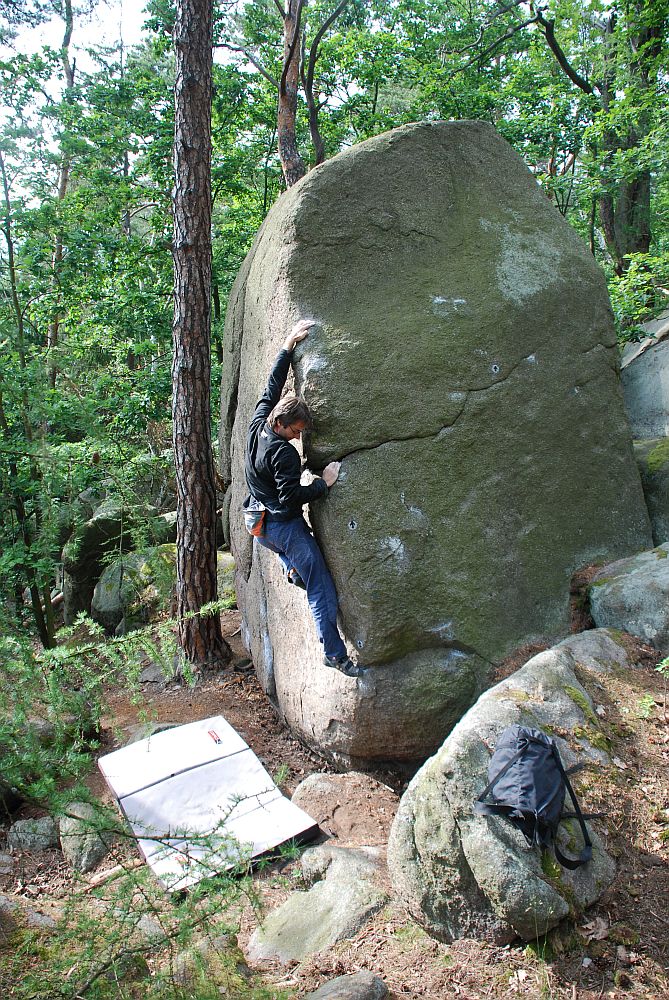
633	595
653	460
463	369
645	380
464	875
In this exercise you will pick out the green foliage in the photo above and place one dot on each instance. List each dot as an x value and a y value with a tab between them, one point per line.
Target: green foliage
645	708
52	700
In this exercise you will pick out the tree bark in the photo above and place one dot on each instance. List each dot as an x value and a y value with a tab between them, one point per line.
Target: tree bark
200	635
292	163
63	181
45	626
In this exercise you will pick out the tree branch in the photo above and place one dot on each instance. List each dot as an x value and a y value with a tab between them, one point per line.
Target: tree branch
558	52
251	58
293	45
494	45
313	51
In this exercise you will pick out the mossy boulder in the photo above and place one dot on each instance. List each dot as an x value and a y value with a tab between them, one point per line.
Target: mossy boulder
652	457
463	369
464	875
134	588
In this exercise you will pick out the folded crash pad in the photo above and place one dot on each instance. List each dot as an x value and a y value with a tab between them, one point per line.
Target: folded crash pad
200	802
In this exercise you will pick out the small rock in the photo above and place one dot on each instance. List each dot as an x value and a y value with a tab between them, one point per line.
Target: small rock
33	834
623	955
151	930
6	864
14	912
80	839
188	963
152	673
359	986
38	920
332	910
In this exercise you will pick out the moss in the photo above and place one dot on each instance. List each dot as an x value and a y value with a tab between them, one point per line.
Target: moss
618	635
594	737
581	700
516	694
542	949
602	582
553	875
661	553
550	866
622	934
658	458
411	934
570	827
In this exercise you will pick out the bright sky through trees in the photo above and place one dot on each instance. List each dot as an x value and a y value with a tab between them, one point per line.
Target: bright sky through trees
111	21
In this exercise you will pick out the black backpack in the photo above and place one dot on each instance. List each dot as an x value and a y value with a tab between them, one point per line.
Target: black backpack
529	785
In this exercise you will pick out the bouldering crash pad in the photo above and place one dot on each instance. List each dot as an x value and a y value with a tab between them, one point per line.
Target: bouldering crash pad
200	802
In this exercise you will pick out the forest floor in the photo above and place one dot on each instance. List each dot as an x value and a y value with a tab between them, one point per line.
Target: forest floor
618	949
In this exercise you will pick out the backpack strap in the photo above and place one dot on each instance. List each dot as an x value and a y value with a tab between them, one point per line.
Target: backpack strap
484	809
586	853
577	767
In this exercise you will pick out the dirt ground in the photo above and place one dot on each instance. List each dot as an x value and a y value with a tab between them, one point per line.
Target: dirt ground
618	949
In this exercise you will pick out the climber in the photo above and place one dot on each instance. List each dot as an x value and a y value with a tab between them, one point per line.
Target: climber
272	467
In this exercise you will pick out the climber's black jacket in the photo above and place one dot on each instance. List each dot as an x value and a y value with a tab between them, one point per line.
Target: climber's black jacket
272	464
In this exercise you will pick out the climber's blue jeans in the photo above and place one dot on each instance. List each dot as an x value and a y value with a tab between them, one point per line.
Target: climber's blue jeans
296	547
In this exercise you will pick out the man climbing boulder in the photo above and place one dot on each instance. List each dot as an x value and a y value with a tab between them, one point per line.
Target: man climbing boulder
462	368
273	472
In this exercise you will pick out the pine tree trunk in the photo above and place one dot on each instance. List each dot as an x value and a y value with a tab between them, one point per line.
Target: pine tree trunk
291	161
199	635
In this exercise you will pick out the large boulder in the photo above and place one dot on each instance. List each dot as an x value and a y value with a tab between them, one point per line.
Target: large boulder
645	380
133	589
463	368
464	875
